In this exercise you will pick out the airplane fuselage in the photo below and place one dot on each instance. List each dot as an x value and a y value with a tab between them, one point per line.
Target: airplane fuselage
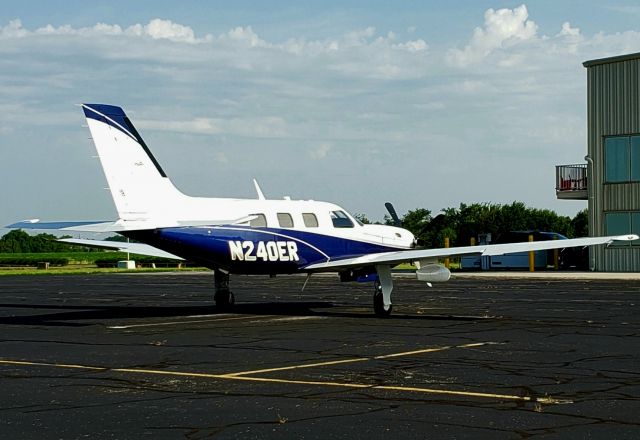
282	236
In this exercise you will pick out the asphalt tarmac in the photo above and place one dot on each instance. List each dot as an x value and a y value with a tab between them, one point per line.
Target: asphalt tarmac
134	356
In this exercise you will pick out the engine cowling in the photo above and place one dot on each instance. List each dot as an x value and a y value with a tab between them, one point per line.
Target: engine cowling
433	273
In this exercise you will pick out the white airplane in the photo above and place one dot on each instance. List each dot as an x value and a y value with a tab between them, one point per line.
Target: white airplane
253	236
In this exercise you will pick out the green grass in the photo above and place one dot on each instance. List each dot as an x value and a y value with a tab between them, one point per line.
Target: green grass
71	258
85	270
65	263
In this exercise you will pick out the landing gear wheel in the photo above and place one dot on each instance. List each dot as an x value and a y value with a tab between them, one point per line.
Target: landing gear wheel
378	302
224	299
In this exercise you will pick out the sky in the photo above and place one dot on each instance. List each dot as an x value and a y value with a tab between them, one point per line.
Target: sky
425	104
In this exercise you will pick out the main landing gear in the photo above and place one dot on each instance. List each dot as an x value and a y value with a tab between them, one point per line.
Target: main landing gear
224	297
382	292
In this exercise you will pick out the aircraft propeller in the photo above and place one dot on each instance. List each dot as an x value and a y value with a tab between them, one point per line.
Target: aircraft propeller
394	215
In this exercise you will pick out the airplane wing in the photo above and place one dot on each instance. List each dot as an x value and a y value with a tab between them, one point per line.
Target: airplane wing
134	248
397	257
121	225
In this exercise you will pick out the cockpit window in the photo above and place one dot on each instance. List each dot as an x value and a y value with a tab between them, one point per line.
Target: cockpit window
340	219
260	221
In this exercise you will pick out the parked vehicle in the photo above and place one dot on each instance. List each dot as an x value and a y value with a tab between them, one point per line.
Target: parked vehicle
568	258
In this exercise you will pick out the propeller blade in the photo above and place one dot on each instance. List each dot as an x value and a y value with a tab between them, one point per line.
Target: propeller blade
394	215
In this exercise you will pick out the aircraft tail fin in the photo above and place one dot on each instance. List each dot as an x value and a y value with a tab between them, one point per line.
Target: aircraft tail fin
138	184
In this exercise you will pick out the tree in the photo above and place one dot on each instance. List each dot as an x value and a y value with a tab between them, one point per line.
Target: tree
441	226
468	221
580	224
18	241
416	221
15	241
362	218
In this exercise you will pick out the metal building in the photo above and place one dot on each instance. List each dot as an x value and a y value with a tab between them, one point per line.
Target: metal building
610	180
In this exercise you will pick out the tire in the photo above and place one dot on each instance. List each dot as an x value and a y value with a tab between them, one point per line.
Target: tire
378	303
224	299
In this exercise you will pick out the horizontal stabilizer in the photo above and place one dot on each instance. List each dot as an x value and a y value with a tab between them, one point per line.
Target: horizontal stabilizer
134	248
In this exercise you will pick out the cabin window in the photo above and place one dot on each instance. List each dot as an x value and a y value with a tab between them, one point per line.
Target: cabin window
285	220
310	220
260	221
340	219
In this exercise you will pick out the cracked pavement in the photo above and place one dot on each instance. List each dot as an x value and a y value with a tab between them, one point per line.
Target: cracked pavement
147	355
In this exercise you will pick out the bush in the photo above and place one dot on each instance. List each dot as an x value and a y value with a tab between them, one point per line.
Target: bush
33	260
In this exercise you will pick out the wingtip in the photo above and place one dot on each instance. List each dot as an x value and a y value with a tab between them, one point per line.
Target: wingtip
22	223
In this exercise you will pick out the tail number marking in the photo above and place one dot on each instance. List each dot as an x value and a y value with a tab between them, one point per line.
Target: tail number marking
263	250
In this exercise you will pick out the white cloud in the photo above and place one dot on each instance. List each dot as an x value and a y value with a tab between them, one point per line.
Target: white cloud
352	102
13	30
220	158
166	29
156	29
320	152
567	30
254	127
359	37
502	28
413	46
634	10
244	35
360	41
358	53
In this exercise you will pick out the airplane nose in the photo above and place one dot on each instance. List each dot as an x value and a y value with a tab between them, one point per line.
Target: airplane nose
413	241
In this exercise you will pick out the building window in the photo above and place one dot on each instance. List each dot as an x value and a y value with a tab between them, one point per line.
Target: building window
635	158
259	221
622	158
285	220
622	223
340	219
310	220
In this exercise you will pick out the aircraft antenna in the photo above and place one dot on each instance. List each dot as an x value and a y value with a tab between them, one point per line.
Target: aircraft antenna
258	190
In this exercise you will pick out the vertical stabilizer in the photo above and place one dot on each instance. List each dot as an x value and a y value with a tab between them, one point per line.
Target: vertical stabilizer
138	185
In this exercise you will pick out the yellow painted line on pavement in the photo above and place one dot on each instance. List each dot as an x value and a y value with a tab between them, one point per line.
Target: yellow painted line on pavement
297	367
359	359
435	349
544	400
46	364
186	321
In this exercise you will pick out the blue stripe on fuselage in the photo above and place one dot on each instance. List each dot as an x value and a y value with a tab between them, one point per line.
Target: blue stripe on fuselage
211	247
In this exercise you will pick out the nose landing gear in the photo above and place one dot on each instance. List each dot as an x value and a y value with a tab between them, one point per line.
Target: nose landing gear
223	297
382	292
378	302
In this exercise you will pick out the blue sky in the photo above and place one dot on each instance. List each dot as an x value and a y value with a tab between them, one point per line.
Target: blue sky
426	104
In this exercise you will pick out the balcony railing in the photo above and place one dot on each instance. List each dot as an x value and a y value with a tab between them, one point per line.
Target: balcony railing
571	181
